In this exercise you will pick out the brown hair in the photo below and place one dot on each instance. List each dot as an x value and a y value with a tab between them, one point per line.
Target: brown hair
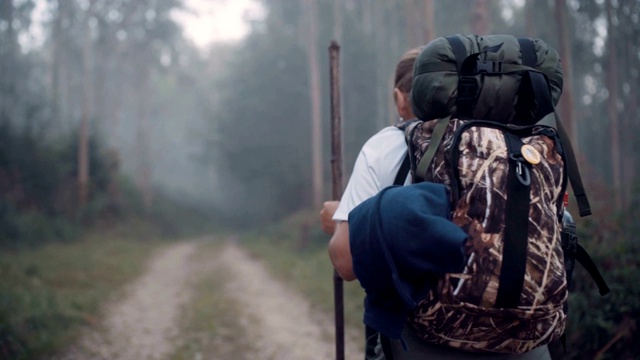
404	70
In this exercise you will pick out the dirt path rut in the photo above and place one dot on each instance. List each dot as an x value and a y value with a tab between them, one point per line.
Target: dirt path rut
282	322
144	323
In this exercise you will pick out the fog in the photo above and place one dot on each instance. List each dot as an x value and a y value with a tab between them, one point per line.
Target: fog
210	103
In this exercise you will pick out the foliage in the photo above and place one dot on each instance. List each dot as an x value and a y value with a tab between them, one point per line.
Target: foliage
47	295
37	187
607	326
230	129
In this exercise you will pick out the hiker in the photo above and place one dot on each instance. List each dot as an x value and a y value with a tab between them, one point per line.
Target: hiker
376	168
401	93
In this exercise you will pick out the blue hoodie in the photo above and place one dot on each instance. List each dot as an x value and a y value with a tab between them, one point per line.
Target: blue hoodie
401	240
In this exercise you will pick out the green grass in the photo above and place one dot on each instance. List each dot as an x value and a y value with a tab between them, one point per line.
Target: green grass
48	293
210	326
296	251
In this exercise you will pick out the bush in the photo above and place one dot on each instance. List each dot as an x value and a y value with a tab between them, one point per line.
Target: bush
606	326
38	187
28	229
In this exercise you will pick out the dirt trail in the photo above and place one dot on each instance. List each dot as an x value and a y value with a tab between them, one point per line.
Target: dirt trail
144	323
282	322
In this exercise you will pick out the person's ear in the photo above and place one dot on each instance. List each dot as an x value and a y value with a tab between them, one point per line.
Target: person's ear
402	104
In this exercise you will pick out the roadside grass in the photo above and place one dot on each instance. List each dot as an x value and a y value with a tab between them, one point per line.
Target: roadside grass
210	328
296	251
48	293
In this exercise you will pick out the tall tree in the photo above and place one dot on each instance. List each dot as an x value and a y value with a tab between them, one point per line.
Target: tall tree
529	24
412	22
143	136
428	21
480	21
612	104
383	75
315	97
8	53
87	108
566	100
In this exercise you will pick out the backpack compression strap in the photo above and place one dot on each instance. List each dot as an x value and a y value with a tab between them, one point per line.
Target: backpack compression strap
468	67
516	232
541	94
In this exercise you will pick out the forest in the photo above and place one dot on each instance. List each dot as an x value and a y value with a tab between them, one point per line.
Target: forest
109	110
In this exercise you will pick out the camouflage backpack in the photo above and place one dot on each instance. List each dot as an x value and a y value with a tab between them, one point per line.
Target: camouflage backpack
497	145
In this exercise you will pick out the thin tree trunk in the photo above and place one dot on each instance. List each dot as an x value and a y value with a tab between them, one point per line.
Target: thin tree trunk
56	63
631	133
625	49
367	16
8	52
612	106
143	139
383	79
315	94
413	24
428	22
566	100
529	23
83	140
393	52
480	17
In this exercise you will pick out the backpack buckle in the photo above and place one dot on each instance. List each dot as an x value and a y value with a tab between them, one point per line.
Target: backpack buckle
488	67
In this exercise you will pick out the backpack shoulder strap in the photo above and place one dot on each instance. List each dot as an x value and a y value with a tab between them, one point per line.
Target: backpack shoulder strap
403	172
542	97
584	209
405	167
422	169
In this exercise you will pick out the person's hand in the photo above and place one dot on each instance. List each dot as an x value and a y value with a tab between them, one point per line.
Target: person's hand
326	216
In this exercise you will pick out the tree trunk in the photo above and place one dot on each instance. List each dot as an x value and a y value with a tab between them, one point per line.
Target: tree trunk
612	106
413	24
56	62
143	138
8	52
384	80
428	22
480	17
529	23
83	140
395	48
566	100
315	93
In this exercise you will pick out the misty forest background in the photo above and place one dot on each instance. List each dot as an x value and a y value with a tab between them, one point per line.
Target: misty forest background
115	114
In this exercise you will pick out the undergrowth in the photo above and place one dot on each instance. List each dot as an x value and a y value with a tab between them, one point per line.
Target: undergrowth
48	293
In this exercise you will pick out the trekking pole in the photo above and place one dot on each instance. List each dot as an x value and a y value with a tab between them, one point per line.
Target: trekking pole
336	174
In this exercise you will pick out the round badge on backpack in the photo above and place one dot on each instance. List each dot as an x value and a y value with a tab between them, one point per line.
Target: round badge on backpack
530	154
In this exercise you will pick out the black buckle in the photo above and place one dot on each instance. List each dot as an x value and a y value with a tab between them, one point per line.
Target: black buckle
488	67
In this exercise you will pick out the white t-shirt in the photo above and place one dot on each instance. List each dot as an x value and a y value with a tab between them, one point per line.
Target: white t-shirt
376	168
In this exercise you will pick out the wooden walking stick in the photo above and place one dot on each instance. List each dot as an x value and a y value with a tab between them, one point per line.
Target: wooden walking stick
337	187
